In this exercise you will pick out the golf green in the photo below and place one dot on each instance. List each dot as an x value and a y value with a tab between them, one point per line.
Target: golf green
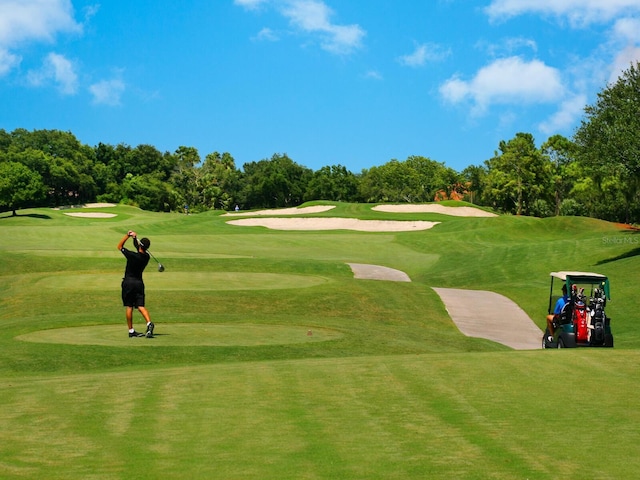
185	334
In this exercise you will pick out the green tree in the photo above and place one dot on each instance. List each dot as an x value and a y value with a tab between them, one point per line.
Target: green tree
517	176
220	181
417	179
185	177
19	186
65	164
333	182
149	192
278	182
561	153
5	140
608	140
473	177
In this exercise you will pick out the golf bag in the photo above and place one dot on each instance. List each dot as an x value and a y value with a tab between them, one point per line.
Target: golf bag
580	324
598	317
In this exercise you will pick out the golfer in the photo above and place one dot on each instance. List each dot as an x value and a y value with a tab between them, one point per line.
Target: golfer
557	311
132	284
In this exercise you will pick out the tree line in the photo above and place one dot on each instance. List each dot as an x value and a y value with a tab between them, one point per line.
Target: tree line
596	173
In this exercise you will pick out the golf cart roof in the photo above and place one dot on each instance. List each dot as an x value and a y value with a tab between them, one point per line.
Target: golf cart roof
577	277
573	278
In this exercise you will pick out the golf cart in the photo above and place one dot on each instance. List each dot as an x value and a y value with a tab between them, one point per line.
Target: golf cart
581	321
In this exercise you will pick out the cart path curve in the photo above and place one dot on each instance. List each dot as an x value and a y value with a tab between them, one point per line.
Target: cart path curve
476	313
365	271
483	314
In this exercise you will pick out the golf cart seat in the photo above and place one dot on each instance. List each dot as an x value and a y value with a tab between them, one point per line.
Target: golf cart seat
565	314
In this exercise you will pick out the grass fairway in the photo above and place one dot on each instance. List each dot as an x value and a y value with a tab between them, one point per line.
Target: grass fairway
273	362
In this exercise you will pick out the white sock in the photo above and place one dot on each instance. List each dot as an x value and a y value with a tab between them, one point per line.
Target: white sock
131	330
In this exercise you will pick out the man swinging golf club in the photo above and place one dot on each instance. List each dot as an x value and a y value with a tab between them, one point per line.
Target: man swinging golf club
132	284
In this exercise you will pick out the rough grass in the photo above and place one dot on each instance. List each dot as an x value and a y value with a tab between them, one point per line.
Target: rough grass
385	388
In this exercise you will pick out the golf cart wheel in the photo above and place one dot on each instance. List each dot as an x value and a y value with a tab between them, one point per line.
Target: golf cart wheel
560	343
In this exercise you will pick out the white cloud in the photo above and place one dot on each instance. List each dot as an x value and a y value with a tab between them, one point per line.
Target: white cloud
266	34
108	92
508	46
570	110
313	17
422	54
373	75
250	4
7	61
58	69
90	11
506	81
620	50
578	12
623	61
25	21
35	20
309	15
627	30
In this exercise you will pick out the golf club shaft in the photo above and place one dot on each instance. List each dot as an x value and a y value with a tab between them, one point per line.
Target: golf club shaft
153	257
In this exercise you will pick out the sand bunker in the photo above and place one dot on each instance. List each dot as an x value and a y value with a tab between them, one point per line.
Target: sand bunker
99	205
283	211
91	214
434	208
365	271
334	224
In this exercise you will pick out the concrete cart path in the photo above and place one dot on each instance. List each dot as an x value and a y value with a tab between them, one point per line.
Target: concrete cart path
483	314
376	272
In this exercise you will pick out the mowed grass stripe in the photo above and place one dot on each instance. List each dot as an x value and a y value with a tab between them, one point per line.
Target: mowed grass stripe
374	417
188	281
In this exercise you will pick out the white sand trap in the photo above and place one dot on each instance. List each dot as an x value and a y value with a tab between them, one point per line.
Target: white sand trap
376	272
334	224
489	315
87	205
91	214
434	208
99	205
283	211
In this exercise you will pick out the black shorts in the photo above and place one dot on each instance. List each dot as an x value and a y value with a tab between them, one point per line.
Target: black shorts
132	292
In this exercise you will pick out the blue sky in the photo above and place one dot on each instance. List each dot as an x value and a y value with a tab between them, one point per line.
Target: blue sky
350	82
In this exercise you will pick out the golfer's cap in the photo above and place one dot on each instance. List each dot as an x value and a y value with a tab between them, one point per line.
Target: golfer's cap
145	243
